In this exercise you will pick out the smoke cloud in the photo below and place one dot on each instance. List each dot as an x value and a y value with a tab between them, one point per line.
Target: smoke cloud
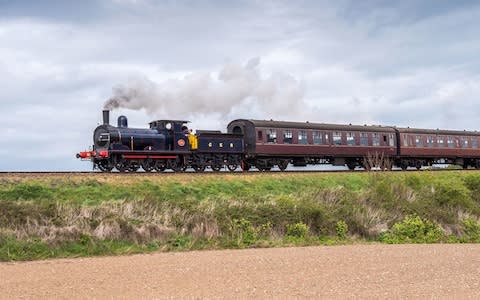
237	91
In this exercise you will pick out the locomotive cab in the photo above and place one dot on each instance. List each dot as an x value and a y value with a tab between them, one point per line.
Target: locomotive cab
175	131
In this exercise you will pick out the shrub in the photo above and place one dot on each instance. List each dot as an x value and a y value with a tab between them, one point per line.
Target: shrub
341	229
243	232
413	229
298	230
180	242
471	229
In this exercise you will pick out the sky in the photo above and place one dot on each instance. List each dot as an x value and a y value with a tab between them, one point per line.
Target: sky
404	63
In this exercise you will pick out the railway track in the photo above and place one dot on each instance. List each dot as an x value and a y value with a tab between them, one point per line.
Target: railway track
207	173
211	173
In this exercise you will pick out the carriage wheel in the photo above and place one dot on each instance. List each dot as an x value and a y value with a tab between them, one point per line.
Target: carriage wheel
366	166
283	164
351	166
418	165
232	167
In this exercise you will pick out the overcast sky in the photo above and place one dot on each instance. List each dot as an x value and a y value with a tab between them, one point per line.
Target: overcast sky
405	63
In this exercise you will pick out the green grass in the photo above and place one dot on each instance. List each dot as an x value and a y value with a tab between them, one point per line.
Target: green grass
44	217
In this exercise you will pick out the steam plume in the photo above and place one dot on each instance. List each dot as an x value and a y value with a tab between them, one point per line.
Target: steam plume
234	88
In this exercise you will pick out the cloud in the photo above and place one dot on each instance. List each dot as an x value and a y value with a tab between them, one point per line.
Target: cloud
202	93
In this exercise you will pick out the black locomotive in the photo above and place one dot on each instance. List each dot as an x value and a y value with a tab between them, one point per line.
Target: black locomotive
167	144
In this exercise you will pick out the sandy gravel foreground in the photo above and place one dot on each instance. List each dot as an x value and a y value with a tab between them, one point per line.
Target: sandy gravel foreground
358	271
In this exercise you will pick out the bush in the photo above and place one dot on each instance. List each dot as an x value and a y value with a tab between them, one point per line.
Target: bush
413	229
180	242
243	232
298	230
341	229
471	229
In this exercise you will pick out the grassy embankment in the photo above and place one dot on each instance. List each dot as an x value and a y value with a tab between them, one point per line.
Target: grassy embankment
43	217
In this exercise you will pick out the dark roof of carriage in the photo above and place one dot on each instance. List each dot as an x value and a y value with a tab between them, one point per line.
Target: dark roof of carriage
320	126
347	127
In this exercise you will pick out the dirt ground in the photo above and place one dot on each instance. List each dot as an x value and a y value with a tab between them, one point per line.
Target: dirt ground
356	271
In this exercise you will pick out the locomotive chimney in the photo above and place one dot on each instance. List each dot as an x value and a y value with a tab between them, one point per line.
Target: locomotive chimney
106	117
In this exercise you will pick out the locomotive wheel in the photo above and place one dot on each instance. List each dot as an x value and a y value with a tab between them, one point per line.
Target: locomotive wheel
174	165
121	166
148	165
160	166
104	166
283	164
216	167
133	167
232	167
199	168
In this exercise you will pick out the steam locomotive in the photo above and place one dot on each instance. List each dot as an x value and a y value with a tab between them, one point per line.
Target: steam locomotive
167	144
263	144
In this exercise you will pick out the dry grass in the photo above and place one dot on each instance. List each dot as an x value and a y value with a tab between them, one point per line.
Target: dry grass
137	221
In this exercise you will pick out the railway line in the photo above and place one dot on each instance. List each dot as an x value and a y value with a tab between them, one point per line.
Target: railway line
211	173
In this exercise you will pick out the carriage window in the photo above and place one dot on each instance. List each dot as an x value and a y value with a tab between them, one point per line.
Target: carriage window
450	142
430	141
317	137
302	137
405	140
464	142
418	141
441	141
350	138
391	140
474	142
375	139
411	140
337	138
287	137
363	139
260	135
271	136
